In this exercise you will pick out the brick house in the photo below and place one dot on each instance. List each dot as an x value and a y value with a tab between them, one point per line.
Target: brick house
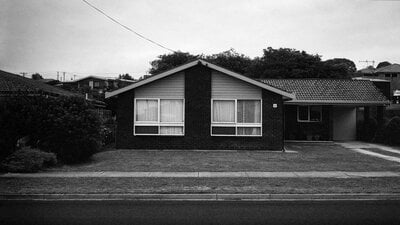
203	106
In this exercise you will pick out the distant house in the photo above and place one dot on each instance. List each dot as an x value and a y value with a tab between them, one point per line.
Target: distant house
15	85
95	87
200	105
390	73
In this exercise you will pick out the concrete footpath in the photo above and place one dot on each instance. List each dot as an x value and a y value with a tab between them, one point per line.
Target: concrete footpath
292	174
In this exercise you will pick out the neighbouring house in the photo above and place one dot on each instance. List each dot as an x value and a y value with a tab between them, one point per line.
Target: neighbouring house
97	84
15	85
390	73
203	106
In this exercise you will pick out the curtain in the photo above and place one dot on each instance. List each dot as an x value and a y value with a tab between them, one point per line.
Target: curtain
171	110
171	130
223	111
147	110
249	131
248	111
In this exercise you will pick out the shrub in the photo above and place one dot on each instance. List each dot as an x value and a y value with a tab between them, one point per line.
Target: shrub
28	160
66	126
70	129
392	131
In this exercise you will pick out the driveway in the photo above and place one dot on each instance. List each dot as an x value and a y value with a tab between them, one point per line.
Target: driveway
375	150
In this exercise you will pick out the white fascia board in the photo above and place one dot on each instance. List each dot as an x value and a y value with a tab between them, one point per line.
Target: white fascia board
207	64
321	102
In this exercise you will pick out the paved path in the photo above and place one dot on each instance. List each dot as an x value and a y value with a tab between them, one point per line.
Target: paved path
361	147
302	174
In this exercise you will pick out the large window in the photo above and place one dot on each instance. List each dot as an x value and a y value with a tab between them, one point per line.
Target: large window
231	117
159	117
308	113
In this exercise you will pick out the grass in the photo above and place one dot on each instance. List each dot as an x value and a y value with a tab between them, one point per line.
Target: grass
206	185
309	157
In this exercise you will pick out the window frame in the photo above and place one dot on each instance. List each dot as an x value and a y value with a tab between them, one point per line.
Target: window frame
309	114
158	123
235	123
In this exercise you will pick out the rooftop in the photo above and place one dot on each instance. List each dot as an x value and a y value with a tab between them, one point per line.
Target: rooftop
12	84
330	91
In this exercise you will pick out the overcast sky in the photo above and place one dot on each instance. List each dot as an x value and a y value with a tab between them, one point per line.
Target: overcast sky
46	36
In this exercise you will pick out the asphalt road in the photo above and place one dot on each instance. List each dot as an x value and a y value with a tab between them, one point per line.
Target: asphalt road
199	212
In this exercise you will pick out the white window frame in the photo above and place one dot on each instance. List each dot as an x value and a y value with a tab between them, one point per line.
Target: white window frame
235	124
309	114
158	123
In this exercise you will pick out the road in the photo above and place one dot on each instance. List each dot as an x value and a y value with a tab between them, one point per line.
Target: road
199	212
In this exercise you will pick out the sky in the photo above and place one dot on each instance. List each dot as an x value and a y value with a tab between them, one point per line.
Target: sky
46	36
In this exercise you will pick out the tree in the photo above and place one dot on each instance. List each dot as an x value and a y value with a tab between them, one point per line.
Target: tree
125	76
286	63
338	68
169	61
231	60
383	64
36	76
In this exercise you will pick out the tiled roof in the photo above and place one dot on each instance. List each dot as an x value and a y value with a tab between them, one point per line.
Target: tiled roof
13	84
394	68
334	91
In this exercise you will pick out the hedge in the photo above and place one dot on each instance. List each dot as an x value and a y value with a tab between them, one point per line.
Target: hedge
66	126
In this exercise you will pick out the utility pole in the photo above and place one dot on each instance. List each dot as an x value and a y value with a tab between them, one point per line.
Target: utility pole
368	61
24	74
58	76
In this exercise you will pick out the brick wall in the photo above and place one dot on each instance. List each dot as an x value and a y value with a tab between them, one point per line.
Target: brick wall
198	121
299	130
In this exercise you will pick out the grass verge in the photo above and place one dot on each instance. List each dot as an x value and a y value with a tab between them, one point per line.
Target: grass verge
190	185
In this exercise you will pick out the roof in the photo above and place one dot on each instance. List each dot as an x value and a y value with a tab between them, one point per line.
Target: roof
204	63
394	68
330	91
12	84
84	78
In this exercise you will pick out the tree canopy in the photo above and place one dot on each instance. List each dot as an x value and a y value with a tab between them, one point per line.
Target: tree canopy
383	64
274	63
125	76
36	76
169	61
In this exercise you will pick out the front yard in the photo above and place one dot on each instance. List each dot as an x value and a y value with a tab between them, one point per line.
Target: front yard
302	157
308	157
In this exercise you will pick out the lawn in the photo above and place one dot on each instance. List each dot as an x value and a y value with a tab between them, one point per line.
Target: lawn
308	157
205	185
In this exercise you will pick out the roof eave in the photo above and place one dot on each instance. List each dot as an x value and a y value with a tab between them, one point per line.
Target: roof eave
325	102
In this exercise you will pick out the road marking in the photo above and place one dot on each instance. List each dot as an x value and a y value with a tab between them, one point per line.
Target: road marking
366	152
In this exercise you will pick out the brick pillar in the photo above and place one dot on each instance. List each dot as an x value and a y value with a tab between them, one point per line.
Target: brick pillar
197	107
366	113
379	115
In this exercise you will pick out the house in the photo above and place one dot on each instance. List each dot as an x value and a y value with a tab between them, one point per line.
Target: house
203	106
15	85
326	109
94	87
390	73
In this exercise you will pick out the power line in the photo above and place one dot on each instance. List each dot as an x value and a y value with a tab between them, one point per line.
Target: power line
126	27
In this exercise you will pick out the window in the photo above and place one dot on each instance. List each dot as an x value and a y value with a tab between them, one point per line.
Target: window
309	113
231	117
159	117
96	84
